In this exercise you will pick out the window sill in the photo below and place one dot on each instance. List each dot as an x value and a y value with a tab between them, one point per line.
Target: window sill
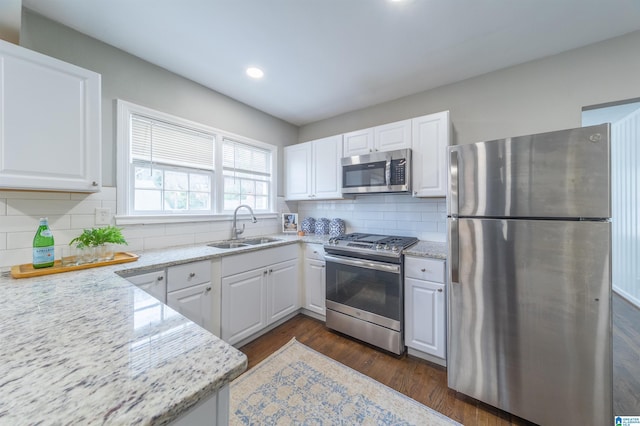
185	218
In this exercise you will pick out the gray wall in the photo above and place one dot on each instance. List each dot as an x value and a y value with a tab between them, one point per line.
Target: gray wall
542	95
127	77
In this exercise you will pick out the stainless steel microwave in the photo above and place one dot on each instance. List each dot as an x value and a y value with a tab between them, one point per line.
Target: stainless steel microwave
377	172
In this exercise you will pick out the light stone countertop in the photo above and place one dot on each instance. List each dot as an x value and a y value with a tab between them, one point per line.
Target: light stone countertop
79	347
432	249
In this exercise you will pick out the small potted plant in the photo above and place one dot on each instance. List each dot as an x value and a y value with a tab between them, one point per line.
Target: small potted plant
96	244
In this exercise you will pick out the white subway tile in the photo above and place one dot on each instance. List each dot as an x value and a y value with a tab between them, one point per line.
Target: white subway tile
50	207
3	207
3	240
107	193
83	221
367	215
168	241
16	257
403	216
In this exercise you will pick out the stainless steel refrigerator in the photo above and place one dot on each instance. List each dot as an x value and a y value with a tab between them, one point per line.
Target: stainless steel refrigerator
529	302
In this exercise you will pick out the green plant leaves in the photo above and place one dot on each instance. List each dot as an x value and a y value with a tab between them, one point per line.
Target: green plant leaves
99	236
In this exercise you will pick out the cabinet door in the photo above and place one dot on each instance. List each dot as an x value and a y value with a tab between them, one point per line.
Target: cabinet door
297	160
430	138
358	142
282	290
314	284
153	283
425	325
243	305
195	303
50	112
392	136
327	168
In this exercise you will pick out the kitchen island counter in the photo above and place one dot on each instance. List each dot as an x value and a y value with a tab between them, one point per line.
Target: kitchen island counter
88	347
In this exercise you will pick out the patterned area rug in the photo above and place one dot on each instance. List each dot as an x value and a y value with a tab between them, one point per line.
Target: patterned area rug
297	385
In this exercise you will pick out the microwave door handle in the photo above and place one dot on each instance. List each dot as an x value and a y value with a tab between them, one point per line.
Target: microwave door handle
387	172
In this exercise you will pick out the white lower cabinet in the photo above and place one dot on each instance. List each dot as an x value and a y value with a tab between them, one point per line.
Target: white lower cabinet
190	292
425	308
154	283
314	279
255	299
244	308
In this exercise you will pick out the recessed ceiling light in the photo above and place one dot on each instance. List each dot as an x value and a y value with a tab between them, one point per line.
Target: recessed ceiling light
254	72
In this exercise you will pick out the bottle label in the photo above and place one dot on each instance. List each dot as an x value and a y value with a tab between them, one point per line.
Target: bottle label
46	233
42	255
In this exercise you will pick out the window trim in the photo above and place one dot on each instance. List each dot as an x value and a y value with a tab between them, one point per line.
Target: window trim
124	191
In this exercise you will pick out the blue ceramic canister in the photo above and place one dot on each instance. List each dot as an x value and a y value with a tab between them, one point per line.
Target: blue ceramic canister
322	226
308	225
337	227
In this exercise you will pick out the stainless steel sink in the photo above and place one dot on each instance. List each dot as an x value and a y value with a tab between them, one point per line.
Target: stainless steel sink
263	240
227	245
243	243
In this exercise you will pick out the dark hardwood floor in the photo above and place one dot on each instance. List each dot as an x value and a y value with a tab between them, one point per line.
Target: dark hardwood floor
427	383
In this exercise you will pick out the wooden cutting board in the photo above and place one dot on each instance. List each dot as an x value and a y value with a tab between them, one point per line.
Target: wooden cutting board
27	270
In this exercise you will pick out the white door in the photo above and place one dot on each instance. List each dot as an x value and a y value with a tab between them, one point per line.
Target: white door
195	303
50	137
392	136
430	138
243	305
314	282
358	142
327	168
153	283
297	160
425	318
283	290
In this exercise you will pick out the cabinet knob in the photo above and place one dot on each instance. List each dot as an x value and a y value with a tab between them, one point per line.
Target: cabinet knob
160	278
415	192
192	274
94	183
315	252
270	270
208	288
439	290
265	272
423	270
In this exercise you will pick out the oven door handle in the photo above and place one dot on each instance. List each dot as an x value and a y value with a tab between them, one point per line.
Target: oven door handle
367	264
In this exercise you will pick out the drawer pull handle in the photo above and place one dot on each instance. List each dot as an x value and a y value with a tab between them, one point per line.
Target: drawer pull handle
192	274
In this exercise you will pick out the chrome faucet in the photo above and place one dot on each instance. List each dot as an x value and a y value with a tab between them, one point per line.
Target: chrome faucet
234	230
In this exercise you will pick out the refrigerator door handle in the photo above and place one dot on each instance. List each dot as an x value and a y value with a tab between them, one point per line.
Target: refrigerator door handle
453	187
453	250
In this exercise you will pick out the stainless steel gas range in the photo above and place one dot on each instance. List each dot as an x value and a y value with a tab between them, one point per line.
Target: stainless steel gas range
365	289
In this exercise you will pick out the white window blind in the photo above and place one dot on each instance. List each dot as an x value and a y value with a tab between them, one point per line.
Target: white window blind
247	175
154	141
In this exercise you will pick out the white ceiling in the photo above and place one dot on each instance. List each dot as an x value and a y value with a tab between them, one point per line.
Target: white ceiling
322	58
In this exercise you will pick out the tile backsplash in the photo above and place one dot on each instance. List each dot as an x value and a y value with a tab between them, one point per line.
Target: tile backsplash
70	213
393	214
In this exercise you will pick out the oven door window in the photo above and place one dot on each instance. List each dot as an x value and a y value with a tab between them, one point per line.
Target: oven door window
374	291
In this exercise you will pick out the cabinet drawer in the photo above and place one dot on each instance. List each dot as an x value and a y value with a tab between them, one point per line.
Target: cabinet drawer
424	269
314	251
189	274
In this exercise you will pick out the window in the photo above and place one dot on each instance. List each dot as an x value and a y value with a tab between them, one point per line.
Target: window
247	175
168	166
172	167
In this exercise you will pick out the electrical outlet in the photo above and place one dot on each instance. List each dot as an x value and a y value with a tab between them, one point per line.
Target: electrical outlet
103	216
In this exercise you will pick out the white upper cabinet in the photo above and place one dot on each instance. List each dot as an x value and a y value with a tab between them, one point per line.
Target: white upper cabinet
430	138
50	137
387	137
297	160
313	170
358	142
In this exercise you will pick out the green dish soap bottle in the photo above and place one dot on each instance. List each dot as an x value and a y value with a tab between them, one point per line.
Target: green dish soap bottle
43	252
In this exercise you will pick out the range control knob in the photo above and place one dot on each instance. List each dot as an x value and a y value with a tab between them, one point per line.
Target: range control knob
395	249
